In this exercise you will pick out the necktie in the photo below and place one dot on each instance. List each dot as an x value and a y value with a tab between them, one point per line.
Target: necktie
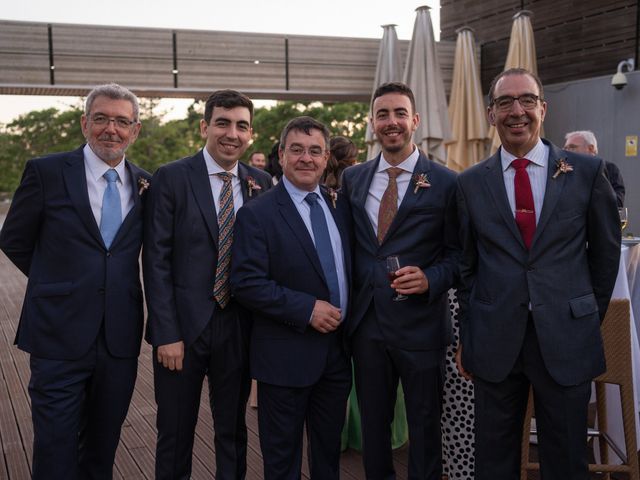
388	203
111	213
323	247
221	291
525	209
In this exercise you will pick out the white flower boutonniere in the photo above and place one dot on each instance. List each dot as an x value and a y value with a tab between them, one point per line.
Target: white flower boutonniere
143	184
333	195
252	185
420	180
562	167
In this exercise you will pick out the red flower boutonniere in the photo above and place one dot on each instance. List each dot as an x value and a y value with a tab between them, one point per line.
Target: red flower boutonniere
143	184
252	185
420	180
333	195
562	167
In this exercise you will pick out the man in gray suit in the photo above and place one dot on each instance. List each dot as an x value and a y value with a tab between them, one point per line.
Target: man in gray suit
541	245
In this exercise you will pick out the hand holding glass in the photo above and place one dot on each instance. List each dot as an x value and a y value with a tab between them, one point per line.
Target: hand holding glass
393	265
623	217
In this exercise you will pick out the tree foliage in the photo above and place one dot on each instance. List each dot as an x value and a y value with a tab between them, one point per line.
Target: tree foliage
41	132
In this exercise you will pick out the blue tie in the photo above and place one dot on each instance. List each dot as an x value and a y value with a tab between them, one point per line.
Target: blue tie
323	247
111	217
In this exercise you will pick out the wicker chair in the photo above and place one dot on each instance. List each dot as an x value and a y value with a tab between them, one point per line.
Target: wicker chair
617	348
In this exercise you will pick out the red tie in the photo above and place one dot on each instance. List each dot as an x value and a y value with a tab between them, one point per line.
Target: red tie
525	209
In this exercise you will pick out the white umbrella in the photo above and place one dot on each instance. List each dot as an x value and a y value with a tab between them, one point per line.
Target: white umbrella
388	69
466	107
422	74
521	54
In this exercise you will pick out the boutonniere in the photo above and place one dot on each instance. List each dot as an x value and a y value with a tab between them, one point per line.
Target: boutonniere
420	180
143	184
252	185
562	167
333	195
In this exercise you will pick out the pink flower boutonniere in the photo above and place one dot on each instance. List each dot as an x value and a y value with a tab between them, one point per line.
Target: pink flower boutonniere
420	180
143	184
252	185
562	167
333	195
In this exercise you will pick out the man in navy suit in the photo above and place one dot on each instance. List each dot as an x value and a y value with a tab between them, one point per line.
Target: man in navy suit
291	267
75	229
541	245
195	326
402	204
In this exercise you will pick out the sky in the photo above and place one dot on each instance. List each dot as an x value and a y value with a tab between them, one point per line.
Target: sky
339	18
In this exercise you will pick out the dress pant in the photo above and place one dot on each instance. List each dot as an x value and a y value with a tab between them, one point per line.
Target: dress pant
378	367
78	407
221	354
561	420
284	411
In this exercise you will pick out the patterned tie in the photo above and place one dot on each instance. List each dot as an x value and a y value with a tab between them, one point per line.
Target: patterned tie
221	291
525	209
323	247
388	203
111	213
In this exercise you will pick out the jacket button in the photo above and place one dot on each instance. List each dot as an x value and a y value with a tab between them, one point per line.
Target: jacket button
108	254
101	290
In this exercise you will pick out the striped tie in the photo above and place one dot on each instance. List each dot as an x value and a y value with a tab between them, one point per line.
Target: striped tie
226	218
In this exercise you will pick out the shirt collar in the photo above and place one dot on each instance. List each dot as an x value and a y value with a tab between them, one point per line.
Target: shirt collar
538	155
408	164
98	167
298	195
213	168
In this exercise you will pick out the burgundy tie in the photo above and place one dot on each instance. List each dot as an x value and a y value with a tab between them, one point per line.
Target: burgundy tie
525	209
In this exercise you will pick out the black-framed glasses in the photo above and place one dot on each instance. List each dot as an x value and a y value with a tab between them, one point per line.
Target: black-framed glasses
528	101
103	120
298	150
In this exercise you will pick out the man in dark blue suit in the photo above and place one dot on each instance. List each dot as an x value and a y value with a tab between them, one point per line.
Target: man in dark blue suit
196	328
541	245
402	204
291	267
75	229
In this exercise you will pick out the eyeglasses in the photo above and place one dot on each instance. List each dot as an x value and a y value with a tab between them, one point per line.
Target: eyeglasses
103	120
298	151
528	101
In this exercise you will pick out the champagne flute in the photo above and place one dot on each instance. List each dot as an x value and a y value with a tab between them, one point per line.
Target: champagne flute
623	217
393	265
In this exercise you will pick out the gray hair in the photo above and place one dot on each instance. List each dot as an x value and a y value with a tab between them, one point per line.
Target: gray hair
114	92
587	135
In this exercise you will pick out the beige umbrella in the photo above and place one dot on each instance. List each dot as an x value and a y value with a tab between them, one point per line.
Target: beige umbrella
521	54
422	74
466	107
388	69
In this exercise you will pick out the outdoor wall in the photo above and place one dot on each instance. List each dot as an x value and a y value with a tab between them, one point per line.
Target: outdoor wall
593	104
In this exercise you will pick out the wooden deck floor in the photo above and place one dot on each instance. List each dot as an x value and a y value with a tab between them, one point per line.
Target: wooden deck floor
135	455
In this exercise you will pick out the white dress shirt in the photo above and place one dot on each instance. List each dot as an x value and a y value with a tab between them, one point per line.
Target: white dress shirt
381	180
304	209
537	170
95	168
216	182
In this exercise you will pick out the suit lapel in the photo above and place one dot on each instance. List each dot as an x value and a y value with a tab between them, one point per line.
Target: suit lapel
290	214
199	179
75	179
361	186
134	214
244	186
343	228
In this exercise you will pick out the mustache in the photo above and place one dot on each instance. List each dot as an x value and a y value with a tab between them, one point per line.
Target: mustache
105	137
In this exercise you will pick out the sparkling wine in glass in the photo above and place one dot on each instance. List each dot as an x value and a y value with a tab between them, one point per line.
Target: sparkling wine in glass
623	217
393	265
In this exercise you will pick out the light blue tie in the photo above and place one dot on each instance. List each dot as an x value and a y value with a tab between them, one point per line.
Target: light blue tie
323	247
111	217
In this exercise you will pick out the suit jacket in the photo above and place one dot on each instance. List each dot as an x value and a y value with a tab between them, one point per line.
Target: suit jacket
616	181
181	248
276	273
423	233
75	284
566	277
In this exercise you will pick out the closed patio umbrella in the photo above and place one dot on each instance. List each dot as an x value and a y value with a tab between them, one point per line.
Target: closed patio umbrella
466	107
422	74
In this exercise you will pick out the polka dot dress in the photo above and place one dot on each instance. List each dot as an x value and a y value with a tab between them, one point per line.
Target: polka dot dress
457	412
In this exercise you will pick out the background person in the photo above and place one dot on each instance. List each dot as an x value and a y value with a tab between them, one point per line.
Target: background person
258	160
342	154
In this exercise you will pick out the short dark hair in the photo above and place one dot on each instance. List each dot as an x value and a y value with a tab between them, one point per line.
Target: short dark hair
304	124
394	87
257	152
514	71
227	99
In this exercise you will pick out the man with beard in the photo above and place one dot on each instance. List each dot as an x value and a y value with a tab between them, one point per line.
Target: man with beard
402	204
195	326
75	229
